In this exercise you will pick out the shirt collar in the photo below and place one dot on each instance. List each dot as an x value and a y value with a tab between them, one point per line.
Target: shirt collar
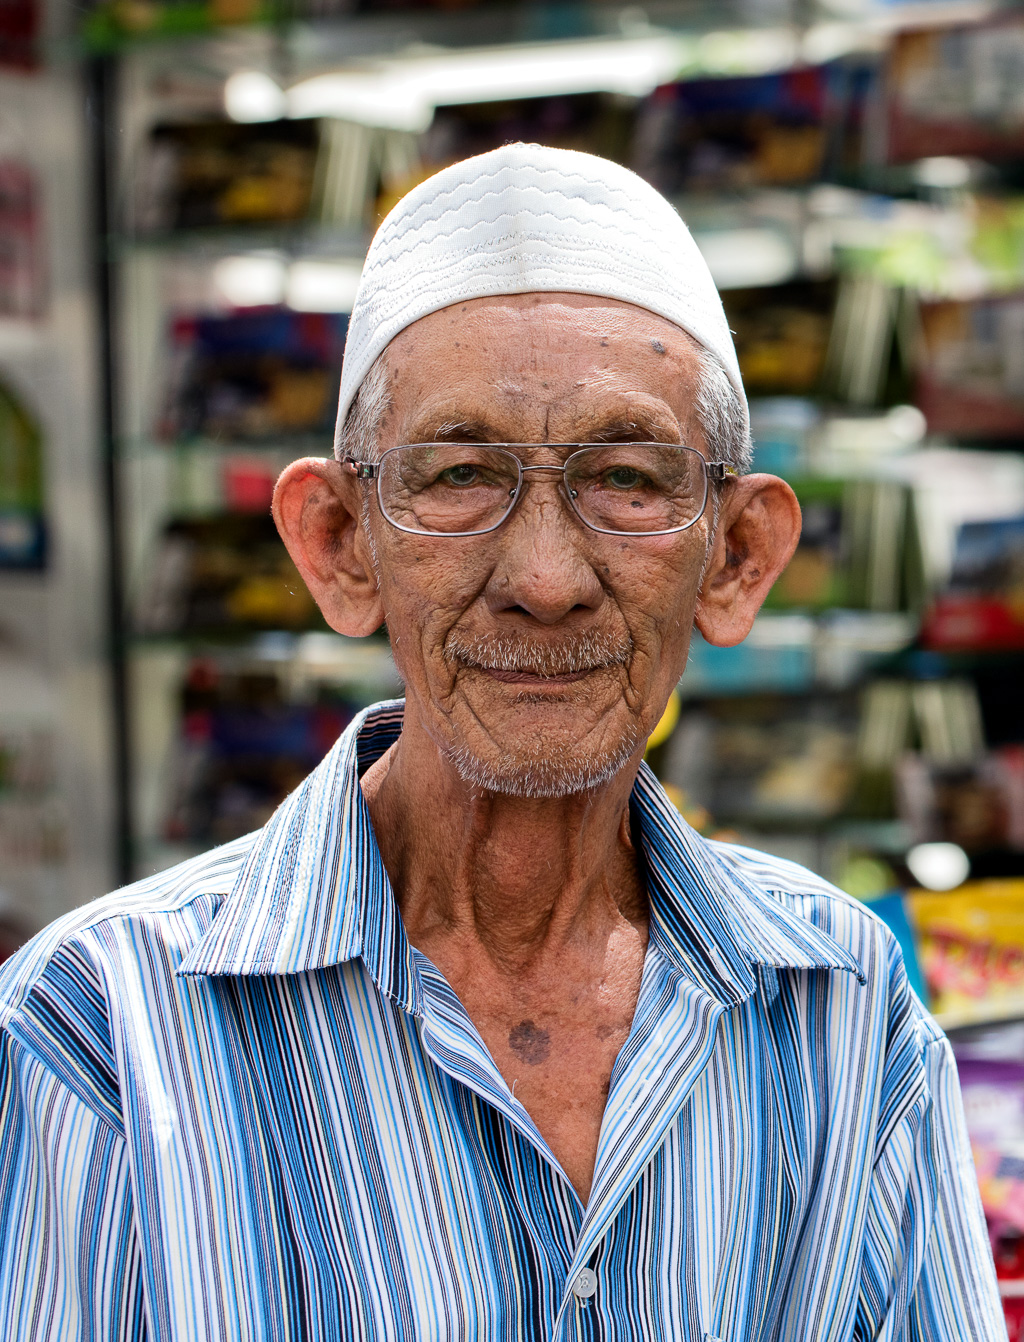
314	892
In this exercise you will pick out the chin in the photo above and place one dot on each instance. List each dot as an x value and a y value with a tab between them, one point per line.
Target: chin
545	772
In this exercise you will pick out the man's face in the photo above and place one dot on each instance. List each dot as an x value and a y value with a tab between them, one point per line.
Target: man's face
540	656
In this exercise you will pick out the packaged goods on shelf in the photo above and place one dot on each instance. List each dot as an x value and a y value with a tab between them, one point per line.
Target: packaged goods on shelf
978	804
859	549
255	720
762	759
224	176
781	428
782	336
970	376
110	24
993	1094
33	824
942	717
22	521
598	123
268	373
729	134
983	606
955	90
20	22
106	24
223	575
210	174
911	735
971	948
243	749
22	244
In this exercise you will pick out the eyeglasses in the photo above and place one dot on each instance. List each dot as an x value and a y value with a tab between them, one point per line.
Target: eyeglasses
468	489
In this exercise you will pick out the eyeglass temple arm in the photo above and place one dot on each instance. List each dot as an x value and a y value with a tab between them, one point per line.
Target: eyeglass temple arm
362	470
720	470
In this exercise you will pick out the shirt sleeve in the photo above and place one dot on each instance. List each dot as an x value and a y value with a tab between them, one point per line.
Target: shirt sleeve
927	1273
956	1295
70	1267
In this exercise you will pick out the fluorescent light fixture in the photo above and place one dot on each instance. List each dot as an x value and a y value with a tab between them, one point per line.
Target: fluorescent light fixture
322	286
939	866
402	93
746	258
746	51
942	173
251	95
250	281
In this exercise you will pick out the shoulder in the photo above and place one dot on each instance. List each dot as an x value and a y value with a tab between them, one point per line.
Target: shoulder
59	994
174	905
847	921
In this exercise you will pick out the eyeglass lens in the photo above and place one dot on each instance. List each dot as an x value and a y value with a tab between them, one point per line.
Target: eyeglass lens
458	488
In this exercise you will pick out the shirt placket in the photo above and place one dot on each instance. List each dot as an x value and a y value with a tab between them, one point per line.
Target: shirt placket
671	1043
669	1047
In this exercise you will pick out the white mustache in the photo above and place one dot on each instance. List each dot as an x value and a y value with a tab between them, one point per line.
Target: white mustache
508	652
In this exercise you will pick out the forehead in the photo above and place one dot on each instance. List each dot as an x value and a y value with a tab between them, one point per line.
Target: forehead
548	350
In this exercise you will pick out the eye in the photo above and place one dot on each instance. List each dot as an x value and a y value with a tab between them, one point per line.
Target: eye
460	476
623	477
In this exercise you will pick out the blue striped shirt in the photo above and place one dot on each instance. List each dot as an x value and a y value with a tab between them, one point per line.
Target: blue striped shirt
236	1103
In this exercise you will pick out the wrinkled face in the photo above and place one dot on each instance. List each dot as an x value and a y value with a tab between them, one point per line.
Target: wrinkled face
540	656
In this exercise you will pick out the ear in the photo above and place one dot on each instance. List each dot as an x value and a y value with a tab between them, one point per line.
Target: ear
317	508
758	529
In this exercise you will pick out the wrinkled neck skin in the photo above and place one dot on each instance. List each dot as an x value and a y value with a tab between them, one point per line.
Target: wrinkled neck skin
525	882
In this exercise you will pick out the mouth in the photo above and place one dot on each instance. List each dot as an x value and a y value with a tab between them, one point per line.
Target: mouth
534	679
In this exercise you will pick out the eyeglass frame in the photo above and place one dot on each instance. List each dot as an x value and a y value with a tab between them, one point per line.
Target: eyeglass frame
715	472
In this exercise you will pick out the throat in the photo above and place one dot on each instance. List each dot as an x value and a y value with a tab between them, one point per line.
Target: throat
554	1028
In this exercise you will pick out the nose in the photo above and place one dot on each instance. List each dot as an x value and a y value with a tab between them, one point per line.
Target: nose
543	569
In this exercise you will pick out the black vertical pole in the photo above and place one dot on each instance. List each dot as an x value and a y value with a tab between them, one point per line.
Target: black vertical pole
101	105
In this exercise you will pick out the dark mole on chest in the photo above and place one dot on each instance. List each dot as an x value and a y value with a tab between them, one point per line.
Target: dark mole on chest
530	1043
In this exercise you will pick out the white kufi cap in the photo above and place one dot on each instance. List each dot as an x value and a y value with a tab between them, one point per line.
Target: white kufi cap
529	219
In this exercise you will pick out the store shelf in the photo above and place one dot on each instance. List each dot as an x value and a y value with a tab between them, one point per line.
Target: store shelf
213	449
303	657
348	38
294	240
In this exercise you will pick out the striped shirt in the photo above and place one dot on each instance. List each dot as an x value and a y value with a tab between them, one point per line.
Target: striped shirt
236	1103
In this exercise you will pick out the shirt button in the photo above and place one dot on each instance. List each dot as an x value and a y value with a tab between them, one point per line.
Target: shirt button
585	1284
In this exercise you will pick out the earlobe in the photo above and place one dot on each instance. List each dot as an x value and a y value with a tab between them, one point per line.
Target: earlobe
317	509
758	530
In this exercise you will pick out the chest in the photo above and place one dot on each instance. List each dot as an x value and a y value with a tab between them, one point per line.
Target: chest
325	1165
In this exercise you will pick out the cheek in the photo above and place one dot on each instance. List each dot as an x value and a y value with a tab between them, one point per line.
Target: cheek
425	591
655	581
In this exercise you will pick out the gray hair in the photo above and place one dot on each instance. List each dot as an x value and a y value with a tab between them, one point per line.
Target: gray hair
719	410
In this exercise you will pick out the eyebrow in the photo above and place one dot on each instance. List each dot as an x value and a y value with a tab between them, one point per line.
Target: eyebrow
614	429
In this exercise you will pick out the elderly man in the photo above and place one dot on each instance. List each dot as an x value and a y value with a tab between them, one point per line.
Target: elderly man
476	1039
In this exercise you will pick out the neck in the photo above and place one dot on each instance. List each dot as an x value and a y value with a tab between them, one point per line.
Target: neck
515	878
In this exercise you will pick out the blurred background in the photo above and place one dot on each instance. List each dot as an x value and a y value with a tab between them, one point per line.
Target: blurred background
187	188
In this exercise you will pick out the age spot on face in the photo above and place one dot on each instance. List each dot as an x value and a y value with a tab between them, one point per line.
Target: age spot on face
530	1043
658	347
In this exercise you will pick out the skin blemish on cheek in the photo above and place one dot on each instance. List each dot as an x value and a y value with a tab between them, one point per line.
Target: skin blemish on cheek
658	347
